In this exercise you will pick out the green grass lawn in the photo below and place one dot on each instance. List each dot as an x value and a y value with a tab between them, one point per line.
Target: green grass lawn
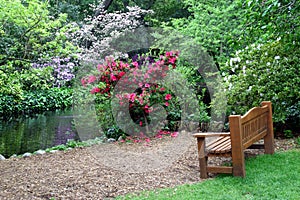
267	177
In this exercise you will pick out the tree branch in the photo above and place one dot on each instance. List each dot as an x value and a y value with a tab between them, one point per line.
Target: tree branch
106	4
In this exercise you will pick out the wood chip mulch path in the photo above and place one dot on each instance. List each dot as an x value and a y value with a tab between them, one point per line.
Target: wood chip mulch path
77	174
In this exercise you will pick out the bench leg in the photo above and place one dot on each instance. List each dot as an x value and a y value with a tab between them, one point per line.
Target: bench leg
269	138
238	168
237	153
202	157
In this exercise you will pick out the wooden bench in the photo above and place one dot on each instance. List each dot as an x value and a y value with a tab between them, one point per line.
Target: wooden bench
245	130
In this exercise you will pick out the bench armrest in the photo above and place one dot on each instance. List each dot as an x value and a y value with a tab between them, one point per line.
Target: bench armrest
203	135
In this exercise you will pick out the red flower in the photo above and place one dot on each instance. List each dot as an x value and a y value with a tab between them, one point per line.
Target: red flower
121	74
136	141
168	97
168	53
166	104
172	60
132	97
141	123
83	82
135	64
174	134
91	79
95	90
112	77
158	136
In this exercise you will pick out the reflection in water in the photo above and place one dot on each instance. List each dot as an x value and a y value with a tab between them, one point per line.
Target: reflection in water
42	131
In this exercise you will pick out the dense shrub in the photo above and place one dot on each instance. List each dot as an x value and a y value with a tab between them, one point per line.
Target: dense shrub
265	72
140	93
10	83
35	101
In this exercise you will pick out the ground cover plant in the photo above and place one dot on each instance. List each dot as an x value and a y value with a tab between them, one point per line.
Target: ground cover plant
268	177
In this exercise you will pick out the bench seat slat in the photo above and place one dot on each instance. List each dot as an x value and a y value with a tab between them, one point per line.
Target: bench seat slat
223	147
216	142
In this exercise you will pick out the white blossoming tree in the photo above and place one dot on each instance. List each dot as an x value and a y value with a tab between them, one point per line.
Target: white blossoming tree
98	31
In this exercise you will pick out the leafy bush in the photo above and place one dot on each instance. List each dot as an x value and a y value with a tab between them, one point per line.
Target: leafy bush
51	99
137	93
28	33
63	70
10	83
36	79
36	101
265	72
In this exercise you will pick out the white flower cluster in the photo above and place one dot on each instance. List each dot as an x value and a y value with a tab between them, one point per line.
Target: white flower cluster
96	35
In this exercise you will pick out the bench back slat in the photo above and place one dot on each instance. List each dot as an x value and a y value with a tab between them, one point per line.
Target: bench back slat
254	125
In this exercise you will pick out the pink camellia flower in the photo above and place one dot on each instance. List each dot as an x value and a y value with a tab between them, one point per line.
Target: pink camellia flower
91	79
113	77
167	104
95	90
147	85
121	74
172	60
162	89
132	97
141	123
135	64
136	141
168	97
101	68
169	53
147	140
174	134
158	136
166	132
83	82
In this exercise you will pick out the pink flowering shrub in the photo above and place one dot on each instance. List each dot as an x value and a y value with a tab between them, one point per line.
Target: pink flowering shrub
144	71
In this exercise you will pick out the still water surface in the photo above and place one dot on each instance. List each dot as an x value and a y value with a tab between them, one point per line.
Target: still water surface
20	135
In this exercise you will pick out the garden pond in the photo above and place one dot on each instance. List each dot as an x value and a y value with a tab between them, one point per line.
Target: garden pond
28	134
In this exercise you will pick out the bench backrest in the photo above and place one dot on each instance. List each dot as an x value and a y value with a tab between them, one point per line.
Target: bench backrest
253	126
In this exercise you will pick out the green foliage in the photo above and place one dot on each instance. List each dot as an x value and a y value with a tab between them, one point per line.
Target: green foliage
165	10
10	83
271	19
76	10
37	79
36	101
74	144
28	33
288	133
215	25
265	72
